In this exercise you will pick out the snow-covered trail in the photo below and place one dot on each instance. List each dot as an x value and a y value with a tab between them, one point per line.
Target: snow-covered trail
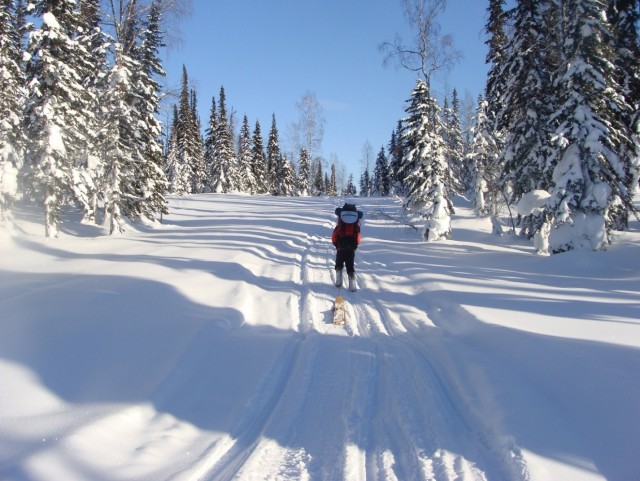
363	401
203	350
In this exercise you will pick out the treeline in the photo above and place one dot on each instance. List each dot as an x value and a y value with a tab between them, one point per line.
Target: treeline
221	161
553	148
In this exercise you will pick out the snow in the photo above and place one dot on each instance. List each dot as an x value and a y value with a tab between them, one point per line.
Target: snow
50	20
8	173
533	203
202	348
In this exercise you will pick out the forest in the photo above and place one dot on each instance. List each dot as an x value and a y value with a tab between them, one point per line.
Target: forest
553	151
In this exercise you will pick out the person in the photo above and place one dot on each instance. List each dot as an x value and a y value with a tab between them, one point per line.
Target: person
346	239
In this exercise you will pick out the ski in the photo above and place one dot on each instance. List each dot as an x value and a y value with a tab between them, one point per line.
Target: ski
339	311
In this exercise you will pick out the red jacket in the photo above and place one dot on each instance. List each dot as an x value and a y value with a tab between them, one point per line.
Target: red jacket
346	236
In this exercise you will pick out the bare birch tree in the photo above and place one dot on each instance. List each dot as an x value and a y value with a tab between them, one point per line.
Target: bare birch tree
430	50
124	18
308	131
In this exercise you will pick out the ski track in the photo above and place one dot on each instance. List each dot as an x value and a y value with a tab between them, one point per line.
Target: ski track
397	424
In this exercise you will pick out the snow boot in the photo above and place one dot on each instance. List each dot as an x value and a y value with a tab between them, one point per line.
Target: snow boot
352	282
338	277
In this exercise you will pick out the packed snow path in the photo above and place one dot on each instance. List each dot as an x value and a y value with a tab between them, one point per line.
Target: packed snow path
203	349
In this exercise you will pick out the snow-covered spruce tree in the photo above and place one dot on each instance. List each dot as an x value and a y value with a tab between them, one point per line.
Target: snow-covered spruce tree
176	172
332	188
278	163
11	102
93	72
194	145
259	161
366	187
381	174
273	158
224	172
486	167
304	173
625	18
246	178
428	178
54	107
526	79
318	178
121	148
491	141
210	143
190	143
286	184
592	183
396	154
21	28
497	55
151	181
455	147
350	189
135	183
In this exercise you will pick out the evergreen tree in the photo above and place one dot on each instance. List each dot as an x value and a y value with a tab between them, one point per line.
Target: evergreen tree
282	174
332	189
498	43
20	29
625	18
11	101
484	159
526	97
93	73
428	179
455	147
381	175
181	177
151	182
247	181
396	154
195	144
304	173
54	109
592	183
286	185
488	141
189	140
121	154
224	171
259	164
365	184
274	166
209	145
175	170
318	178
350	188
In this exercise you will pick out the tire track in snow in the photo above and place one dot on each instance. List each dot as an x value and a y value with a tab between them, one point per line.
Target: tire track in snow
360	409
488	457
226	456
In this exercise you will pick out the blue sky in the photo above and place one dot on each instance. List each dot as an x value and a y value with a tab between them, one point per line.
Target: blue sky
268	54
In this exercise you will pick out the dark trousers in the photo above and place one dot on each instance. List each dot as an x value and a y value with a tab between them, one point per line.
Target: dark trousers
345	257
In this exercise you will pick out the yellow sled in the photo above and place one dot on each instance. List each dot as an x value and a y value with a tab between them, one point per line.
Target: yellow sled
339	311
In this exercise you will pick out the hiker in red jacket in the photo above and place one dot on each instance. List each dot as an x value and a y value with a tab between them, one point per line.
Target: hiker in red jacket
346	239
